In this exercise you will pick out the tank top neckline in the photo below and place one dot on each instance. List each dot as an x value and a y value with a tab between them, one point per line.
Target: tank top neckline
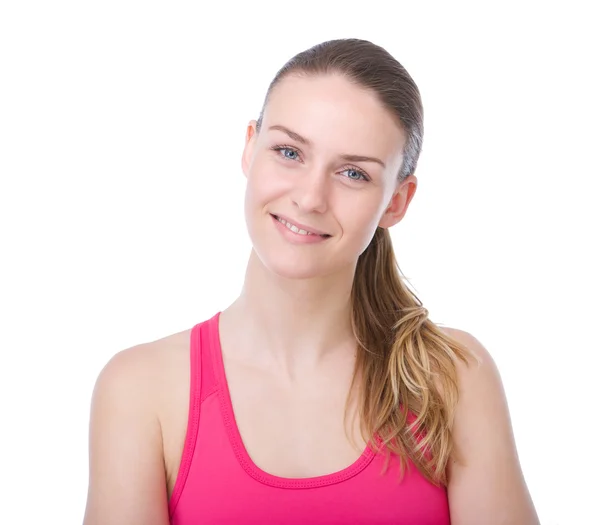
238	446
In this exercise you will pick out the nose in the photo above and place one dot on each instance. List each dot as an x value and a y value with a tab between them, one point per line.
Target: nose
311	193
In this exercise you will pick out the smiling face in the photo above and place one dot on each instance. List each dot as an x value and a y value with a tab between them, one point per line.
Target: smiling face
325	161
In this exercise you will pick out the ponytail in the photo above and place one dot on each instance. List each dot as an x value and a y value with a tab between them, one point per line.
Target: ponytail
405	367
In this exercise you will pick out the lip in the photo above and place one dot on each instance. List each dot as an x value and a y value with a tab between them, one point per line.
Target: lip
297	238
300	225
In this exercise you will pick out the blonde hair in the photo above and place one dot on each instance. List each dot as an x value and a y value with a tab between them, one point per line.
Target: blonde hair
406	365
404	361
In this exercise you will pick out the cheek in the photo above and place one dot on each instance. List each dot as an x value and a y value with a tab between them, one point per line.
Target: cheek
362	214
265	181
265	187
360	226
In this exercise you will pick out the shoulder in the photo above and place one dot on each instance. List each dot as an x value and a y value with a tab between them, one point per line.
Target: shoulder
145	367
153	377
479	382
482	402
481	392
148	381
479	375
126	433
479	354
483	443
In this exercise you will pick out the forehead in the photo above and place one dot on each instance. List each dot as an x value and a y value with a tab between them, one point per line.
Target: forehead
335	115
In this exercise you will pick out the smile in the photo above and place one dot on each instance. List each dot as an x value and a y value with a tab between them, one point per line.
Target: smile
297	230
294	228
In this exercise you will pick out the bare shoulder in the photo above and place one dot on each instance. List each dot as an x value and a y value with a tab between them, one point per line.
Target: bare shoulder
144	363
166	365
150	372
479	354
128	479
486	483
479	375
481	392
163	369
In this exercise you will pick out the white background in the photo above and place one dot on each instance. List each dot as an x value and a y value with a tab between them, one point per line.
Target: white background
121	129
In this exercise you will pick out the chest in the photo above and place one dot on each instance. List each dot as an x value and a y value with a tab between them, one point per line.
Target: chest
296	431
288	432
266	452
225	485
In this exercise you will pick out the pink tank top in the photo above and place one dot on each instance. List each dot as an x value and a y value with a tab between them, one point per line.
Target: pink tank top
218	483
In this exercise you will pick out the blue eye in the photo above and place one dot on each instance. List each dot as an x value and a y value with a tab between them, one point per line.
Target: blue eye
288	153
359	174
293	156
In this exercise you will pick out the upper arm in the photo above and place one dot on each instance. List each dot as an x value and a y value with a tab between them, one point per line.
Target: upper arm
126	476
486	484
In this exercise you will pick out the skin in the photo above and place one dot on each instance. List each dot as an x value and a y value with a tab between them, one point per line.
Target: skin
287	341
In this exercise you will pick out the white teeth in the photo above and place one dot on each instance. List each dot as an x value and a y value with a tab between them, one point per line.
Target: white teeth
294	228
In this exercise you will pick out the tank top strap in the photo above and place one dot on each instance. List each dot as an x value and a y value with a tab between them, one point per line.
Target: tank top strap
202	384
203	345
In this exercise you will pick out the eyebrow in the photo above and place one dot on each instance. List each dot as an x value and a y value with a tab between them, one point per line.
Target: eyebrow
306	142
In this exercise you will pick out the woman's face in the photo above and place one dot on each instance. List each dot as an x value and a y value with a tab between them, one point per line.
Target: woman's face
326	160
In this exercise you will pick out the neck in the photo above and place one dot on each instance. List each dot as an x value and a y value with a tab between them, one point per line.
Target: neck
292	324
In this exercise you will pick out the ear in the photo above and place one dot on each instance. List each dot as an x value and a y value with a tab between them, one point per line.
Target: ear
251	135
399	202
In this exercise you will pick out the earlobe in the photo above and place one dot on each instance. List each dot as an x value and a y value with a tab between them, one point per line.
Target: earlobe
248	147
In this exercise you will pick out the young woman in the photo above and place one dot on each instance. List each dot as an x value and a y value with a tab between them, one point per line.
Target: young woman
324	394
